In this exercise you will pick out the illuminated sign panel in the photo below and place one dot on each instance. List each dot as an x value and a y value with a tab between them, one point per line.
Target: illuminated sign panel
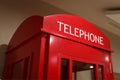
76	29
80	33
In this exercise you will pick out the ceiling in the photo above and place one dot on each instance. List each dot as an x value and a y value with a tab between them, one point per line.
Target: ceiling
103	13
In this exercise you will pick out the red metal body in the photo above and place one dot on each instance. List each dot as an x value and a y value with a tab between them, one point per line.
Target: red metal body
58	47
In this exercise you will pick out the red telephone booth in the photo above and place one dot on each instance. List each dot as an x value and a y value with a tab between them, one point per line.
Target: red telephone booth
58	47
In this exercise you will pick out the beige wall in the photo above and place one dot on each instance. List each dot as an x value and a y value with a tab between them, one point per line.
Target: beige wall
117	76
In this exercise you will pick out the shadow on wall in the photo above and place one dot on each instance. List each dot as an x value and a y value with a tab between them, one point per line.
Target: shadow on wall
3	49
117	76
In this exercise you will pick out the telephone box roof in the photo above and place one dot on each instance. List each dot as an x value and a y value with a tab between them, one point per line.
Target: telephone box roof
63	25
77	29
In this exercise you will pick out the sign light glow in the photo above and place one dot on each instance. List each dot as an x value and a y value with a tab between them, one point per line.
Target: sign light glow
79	33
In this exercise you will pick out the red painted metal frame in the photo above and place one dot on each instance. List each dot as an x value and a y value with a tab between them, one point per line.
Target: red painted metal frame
78	52
39	39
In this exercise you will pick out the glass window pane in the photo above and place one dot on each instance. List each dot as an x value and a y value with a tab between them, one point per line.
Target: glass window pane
64	69
17	71
82	71
100	69
20	70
